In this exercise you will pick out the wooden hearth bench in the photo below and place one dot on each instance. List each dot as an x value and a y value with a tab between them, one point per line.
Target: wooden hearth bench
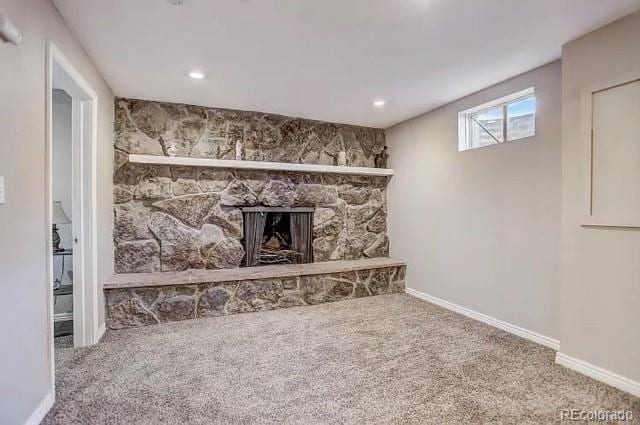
140	299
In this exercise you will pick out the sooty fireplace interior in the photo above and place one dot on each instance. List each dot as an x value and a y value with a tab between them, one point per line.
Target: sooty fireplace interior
274	235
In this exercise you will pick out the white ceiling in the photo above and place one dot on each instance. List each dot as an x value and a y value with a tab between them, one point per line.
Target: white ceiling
326	59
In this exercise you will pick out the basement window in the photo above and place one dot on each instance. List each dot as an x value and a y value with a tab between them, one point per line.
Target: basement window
509	118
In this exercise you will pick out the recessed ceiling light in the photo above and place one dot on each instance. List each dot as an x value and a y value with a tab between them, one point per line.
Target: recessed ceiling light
379	103
196	75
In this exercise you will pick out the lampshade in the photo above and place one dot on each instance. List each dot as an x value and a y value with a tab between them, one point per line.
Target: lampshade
59	216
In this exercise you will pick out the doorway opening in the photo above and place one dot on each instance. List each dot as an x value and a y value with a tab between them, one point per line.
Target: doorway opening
70	222
62	214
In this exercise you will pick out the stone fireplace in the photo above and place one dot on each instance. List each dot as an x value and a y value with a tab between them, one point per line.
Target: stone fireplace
174	218
186	235
277	235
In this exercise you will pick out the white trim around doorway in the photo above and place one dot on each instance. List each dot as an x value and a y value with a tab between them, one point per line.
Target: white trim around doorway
85	98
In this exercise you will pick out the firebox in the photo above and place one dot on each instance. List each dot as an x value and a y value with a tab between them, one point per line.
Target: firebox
277	235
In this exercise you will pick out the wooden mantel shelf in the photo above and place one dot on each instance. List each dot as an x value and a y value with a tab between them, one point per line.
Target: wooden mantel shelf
189	277
257	165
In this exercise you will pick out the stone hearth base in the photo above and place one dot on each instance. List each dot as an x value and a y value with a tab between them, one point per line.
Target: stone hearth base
132	307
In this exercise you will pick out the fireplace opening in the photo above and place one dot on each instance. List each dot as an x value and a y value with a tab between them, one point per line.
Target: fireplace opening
274	235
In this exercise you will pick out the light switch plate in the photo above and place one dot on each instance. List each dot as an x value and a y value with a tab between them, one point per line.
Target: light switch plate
1	190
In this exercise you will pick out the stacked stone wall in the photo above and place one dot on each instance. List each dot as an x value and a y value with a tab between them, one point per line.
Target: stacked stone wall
135	307
179	218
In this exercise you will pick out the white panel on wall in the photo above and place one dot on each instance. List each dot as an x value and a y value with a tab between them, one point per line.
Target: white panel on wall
615	156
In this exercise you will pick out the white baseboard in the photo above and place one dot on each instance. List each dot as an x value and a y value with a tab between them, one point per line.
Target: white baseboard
100	332
599	374
41	411
508	327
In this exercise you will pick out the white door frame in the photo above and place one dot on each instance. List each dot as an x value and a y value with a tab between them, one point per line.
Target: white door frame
87	331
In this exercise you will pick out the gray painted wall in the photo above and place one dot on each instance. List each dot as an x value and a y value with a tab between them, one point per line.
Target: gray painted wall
601	267
481	228
24	369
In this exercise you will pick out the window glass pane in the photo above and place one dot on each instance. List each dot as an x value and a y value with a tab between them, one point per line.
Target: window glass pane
521	118
485	124
486	127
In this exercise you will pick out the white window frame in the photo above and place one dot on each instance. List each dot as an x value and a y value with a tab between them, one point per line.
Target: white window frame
464	118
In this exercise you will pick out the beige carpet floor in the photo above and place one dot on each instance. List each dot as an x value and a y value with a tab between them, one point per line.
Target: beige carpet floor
385	359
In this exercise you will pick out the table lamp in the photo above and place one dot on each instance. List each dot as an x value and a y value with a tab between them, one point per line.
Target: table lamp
59	217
